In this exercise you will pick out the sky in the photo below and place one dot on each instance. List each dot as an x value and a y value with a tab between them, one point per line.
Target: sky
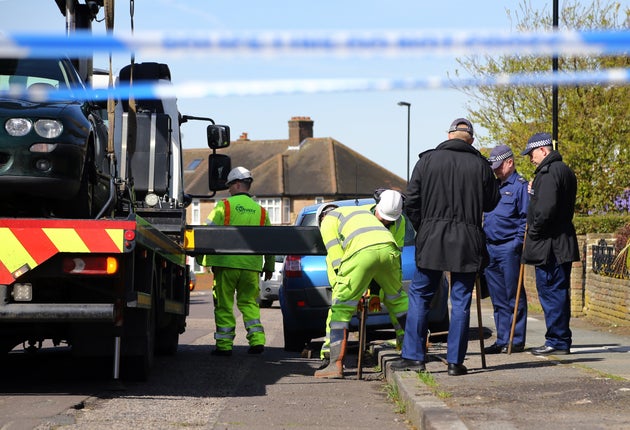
371	123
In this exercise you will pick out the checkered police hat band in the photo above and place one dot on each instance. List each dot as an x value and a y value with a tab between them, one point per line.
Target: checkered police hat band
500	157
539	143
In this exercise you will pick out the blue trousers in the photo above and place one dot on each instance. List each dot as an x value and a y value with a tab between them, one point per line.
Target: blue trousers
553	282
423	286
502	278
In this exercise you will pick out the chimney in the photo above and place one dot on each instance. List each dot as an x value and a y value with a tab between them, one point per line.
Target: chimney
300	128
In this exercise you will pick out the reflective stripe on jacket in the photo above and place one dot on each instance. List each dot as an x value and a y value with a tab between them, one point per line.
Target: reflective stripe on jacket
347	230
240	209
397	228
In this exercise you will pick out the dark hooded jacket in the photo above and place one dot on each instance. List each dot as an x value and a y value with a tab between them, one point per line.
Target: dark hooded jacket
550	214
450	189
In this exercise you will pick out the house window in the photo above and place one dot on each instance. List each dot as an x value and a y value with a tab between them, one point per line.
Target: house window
196	213
286	211
274	209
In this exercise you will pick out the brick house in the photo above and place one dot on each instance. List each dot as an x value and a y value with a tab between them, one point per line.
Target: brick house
289	173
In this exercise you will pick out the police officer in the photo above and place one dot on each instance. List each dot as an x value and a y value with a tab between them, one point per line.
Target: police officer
551	243
238	273
359	248
505	229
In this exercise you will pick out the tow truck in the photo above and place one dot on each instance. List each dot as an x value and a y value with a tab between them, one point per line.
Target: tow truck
116	283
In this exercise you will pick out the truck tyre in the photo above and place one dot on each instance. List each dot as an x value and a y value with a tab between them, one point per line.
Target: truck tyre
167	340
137	367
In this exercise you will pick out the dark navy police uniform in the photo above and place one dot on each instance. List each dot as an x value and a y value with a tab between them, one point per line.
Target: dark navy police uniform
505	228
551	243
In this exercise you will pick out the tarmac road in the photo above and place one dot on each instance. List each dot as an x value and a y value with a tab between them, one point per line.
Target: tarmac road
275	390
588	389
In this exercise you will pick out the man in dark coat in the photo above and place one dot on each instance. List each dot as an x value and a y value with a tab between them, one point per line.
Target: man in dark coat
450	189
551	243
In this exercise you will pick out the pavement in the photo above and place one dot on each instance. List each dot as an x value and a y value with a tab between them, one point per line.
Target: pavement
587	389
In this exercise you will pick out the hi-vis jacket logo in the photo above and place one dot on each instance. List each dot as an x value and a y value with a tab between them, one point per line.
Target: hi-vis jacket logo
243	210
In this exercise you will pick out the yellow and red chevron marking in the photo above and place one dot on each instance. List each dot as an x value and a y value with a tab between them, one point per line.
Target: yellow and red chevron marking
30	242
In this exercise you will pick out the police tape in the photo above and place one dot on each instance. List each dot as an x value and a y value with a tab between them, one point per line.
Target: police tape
165	90
564	42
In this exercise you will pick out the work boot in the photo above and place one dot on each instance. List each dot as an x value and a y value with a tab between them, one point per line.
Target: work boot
325	360
334	370
256	349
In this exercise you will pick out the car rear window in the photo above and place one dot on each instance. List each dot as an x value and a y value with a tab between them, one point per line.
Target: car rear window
308	220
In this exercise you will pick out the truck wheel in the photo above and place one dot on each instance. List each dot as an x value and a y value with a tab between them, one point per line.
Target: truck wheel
167	340
137	367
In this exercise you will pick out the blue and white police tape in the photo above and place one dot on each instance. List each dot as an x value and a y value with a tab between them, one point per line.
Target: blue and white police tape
145	90
605	42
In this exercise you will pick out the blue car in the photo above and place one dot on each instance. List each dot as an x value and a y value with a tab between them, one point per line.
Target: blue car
305	295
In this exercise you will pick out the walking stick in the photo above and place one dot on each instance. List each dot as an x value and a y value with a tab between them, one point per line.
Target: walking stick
478	294
518	297
521	281
362	335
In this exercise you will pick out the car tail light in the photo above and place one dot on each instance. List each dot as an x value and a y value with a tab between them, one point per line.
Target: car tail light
293	266
91	265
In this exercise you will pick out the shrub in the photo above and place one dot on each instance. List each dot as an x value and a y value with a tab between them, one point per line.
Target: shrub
608	223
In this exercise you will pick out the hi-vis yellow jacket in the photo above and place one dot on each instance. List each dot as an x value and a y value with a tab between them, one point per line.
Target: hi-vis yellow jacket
346	231
240	209
397	228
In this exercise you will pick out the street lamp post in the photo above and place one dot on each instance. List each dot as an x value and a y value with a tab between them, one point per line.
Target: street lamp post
408	105
554	88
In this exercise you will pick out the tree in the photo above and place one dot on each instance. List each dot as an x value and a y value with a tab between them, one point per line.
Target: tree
593	126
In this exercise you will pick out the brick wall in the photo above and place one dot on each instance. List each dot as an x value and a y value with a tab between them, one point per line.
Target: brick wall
604	299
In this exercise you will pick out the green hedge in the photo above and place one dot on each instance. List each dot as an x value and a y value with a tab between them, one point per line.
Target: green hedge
608	223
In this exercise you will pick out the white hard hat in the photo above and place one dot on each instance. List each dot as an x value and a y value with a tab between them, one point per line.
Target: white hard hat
390	205
323	210
239	174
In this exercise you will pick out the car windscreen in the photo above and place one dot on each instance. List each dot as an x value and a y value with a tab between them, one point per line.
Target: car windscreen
40	74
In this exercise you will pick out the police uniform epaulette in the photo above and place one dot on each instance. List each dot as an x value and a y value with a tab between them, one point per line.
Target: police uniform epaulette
521	179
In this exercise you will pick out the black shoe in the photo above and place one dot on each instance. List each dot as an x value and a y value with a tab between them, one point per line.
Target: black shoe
405	364
495	349
256	349
515	348
456	369
222	352
549	350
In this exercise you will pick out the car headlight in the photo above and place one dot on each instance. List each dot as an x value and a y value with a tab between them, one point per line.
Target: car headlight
18	127
48	128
